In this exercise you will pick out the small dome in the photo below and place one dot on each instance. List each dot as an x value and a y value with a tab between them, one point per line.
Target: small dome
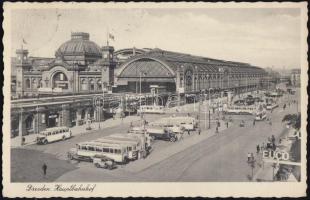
79	45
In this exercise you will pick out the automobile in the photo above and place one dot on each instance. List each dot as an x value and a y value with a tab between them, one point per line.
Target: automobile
53	134
158	132
104	162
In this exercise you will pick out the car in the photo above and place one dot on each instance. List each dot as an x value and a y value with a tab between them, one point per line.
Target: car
104	162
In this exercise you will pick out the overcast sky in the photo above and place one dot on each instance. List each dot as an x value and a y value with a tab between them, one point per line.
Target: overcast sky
260	36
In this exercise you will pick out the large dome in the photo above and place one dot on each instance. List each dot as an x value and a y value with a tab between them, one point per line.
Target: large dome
79	48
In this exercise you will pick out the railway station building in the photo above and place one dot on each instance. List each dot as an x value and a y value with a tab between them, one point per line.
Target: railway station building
82	69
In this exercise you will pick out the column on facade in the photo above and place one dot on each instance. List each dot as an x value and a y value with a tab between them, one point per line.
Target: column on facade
39	120
66	121
87	114
78	116
21	125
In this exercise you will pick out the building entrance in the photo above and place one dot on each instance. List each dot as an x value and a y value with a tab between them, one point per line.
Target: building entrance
53	118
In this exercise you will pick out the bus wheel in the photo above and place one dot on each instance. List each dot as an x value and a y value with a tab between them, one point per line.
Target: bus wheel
45	142
172	139
97	165
63	138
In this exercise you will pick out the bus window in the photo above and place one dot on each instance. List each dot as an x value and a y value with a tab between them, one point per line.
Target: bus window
129	148
117	151
98	149
111	150
105	150
90	148
83	147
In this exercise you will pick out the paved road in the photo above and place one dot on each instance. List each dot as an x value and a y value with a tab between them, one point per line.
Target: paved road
219	158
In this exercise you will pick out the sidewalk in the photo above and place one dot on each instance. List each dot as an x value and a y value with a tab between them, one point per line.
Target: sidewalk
78	130
161	154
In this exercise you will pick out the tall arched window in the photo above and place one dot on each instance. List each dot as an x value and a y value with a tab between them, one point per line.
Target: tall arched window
92	85
27	83
60	80
99	85
29	122
40	85
84	85
34	83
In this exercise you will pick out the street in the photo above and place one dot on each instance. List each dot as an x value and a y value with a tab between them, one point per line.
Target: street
212	157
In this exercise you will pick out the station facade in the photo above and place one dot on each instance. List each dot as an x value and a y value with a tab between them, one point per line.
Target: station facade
82	69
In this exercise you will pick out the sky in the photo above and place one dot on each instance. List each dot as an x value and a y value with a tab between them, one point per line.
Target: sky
263	37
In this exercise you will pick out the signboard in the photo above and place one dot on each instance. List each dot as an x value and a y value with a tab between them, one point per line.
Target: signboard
276	155
181	90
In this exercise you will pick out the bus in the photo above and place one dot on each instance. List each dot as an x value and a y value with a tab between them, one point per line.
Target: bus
130	145
87	150
152	109
143	144
53	134
240	110
188	123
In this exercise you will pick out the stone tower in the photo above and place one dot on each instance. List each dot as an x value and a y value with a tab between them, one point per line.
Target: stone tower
22	65
108	66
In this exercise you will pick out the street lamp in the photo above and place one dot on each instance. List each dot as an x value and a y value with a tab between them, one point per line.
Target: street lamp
209	107
141	91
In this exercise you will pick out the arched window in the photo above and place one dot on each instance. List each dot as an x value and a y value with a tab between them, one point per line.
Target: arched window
84	84
34	83
40	85
99	85
29	122
60	80
92	85
27	83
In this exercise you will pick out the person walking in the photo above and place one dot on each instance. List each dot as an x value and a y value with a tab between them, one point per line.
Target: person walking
44	168
273	139
188	132
262	147
253	122
199	130
257	149
249	157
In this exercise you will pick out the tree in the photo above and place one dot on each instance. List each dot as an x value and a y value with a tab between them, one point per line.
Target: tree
293	119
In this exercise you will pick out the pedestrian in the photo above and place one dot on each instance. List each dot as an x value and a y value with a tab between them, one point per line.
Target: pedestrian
273	139
217	129
249	157
262	147
188	132
44	168
253	122
257	149
199	130
227	124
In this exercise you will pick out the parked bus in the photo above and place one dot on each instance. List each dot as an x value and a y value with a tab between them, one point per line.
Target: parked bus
240	110
152	109
130	145
53	134
188	123
143	144
87	150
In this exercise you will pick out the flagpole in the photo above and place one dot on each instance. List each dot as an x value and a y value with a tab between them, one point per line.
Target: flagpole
108	36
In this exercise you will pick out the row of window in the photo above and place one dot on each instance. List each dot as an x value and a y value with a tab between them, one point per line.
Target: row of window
36	83
100	149
218	76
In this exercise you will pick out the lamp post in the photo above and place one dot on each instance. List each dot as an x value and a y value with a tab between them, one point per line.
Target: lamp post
209	107
141	92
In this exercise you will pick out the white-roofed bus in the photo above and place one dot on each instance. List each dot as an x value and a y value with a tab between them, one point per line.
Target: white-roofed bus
86	151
